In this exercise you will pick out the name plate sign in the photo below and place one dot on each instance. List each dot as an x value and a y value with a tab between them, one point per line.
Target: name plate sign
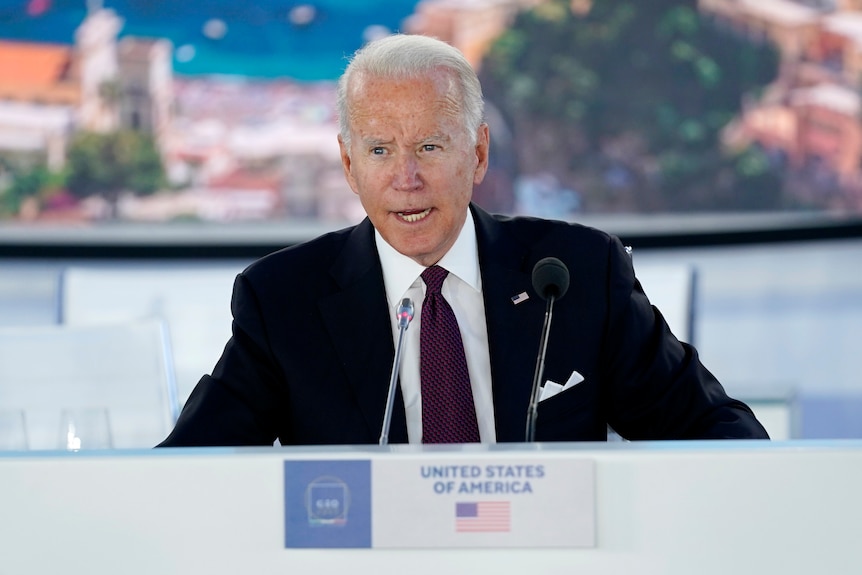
440	503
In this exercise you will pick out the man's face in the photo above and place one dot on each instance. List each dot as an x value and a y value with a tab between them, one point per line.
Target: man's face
411	161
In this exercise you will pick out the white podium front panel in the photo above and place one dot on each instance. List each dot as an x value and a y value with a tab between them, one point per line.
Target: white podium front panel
662	508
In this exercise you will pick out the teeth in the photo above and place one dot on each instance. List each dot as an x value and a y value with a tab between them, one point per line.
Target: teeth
414	217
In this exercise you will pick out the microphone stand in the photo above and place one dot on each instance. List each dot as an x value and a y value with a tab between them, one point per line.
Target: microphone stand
532	412
405	316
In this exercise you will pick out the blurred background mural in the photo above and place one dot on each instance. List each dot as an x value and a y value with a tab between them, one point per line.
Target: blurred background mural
159	111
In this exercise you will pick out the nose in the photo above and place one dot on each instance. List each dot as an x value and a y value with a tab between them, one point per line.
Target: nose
406	177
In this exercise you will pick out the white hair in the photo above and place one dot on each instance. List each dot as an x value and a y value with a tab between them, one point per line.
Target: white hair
411	56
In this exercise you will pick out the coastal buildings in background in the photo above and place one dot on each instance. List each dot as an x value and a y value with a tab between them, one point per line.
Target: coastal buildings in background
100	84
809	119
235	147
471	26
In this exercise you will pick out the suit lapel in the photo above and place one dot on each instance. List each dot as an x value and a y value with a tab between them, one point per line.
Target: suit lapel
357	319
513	329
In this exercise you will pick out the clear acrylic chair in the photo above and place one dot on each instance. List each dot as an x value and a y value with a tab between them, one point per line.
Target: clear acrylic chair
193	300
126	368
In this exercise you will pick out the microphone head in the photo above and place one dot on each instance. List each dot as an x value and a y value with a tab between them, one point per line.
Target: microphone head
404	314
550	278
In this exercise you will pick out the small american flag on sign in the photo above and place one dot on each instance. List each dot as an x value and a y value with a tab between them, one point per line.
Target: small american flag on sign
482	516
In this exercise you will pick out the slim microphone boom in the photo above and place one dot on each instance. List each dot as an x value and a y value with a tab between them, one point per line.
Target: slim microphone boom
551	281
404	314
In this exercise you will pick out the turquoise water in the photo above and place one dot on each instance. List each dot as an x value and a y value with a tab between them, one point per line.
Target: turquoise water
258	39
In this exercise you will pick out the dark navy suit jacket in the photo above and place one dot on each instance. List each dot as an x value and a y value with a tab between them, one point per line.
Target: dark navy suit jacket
311	352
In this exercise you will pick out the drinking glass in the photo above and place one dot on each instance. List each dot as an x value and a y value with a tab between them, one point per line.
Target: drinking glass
85	428
13	430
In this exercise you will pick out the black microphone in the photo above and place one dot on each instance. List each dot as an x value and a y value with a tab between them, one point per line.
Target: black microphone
550	278
404	314
551	281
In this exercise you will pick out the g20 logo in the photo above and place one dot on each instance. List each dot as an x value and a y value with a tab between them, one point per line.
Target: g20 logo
327	501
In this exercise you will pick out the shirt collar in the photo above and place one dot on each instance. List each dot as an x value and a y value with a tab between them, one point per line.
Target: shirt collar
399	271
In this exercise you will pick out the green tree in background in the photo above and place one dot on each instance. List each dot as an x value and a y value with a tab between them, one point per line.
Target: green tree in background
626	103
26	180
113	163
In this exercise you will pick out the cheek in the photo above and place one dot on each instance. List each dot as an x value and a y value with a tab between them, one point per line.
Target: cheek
367	185
466	173
360	178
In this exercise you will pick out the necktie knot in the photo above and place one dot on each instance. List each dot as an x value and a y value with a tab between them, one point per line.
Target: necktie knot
433	278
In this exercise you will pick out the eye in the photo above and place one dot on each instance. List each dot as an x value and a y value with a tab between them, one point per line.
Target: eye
378	151
429	147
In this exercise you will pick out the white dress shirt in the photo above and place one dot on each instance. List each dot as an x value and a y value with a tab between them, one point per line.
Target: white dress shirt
463	290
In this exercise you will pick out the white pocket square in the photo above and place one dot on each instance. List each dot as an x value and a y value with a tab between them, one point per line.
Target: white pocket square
550	389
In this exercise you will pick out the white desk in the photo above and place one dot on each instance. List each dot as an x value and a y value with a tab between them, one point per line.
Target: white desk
662	508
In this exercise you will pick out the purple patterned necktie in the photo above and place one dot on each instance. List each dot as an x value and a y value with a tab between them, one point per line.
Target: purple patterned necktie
448	413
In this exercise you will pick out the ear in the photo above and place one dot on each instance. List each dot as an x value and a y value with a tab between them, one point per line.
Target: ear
483	146
347	165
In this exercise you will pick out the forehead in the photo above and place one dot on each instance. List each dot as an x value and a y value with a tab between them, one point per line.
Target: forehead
378	99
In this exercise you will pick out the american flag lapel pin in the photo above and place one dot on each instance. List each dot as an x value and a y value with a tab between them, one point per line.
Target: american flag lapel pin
521	297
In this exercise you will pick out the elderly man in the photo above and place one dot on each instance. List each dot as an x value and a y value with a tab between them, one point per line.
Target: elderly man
314	324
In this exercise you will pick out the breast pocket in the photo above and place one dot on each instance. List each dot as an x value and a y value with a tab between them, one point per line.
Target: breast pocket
571	415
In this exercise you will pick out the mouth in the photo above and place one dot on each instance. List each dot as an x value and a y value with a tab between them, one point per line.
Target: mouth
413	215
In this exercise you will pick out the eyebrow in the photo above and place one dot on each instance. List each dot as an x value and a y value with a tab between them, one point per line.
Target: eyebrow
435	138
372	142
